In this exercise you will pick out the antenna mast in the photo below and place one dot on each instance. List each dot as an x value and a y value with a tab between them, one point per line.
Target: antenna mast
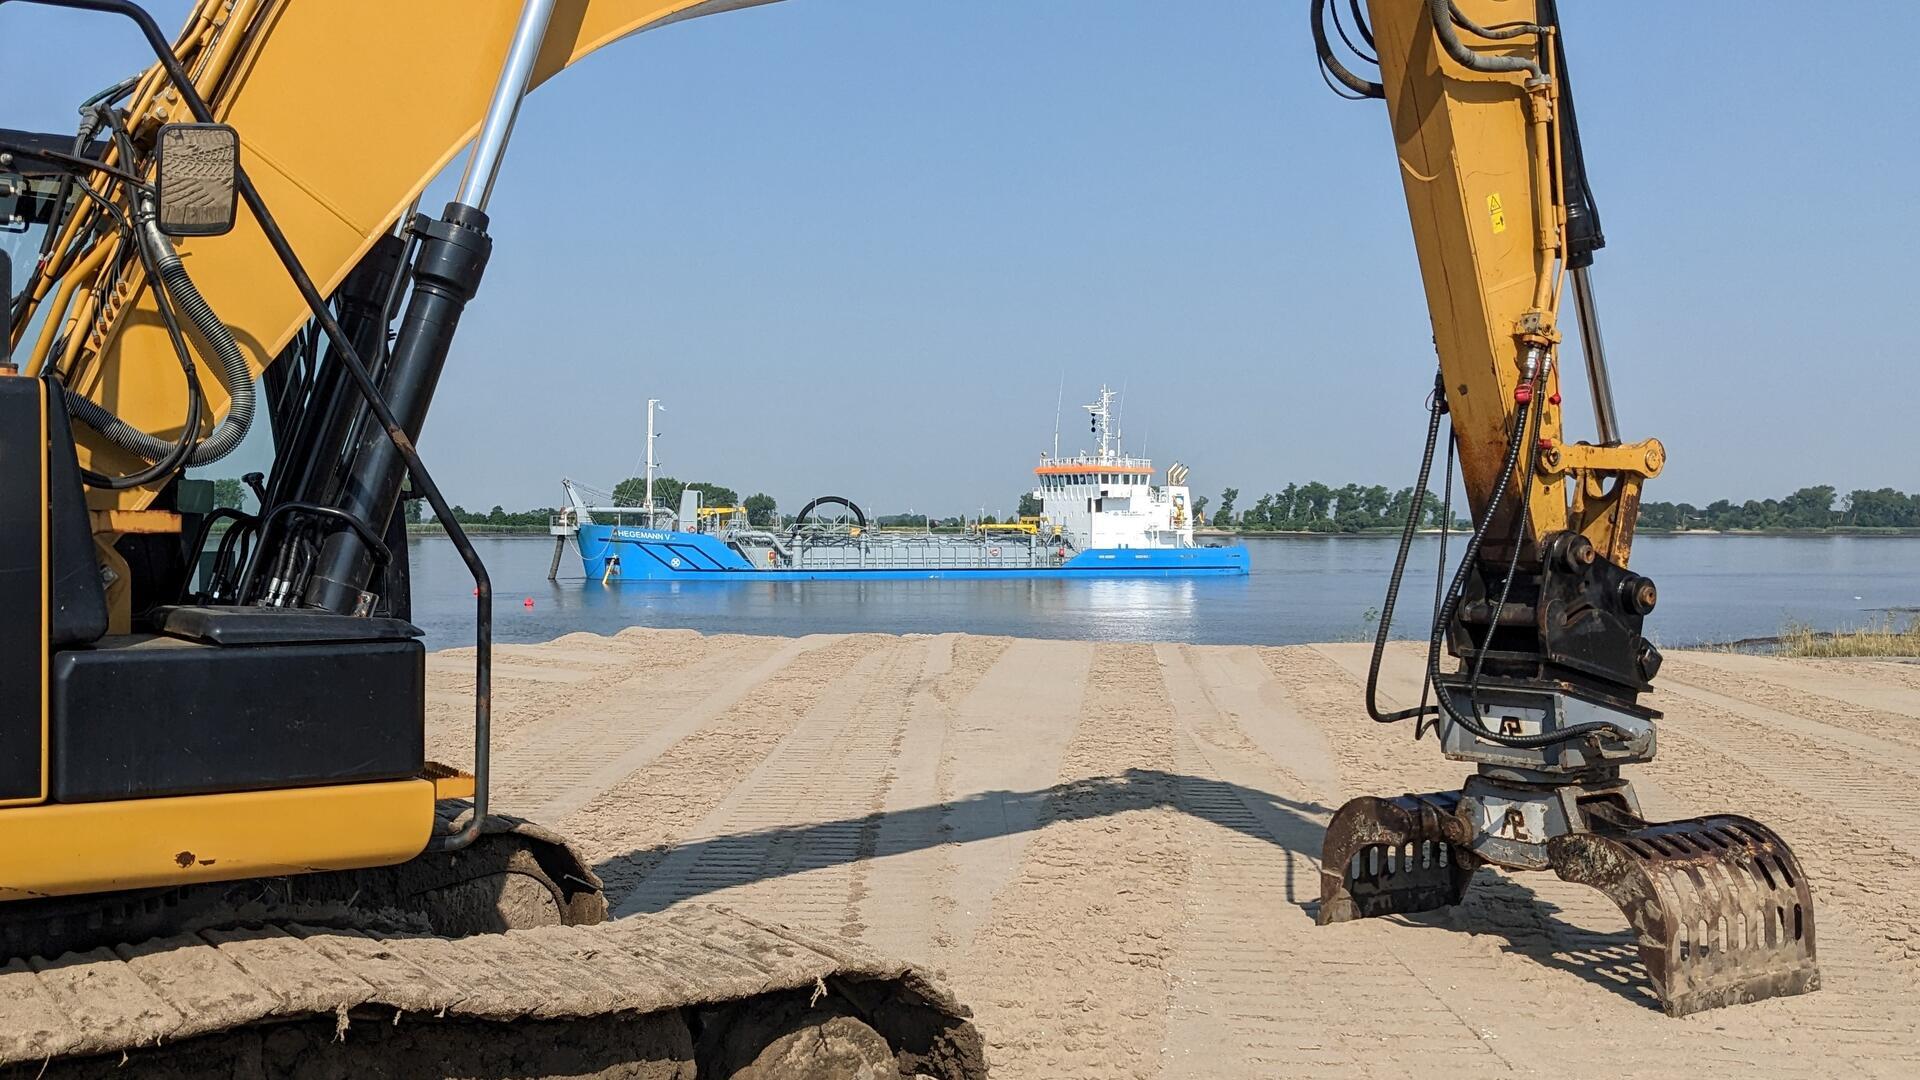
1101	422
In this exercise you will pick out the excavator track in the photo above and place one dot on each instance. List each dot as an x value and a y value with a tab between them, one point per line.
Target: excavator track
450	980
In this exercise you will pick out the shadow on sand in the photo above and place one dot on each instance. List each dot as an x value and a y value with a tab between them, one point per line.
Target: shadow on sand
1497	904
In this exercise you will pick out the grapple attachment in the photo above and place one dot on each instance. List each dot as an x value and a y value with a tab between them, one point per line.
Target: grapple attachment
1393	857
1721	907
1722	910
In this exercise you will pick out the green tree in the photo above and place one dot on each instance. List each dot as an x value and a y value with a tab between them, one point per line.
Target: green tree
497	516
1030	505
761	510
1261	516
416	511
633	492
1318	500
1200	509
229	493
1286	508
1809	508
1224	516
710	494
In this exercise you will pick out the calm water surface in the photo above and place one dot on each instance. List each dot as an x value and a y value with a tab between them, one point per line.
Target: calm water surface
1712	589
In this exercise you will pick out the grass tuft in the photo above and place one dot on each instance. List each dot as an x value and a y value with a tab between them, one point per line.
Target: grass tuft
1884	638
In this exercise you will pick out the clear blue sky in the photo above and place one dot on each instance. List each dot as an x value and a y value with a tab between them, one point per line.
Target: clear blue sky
856	245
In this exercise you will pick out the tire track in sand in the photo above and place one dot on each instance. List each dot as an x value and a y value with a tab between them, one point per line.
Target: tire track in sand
786	842
1243	754
910	881
540	690
1005	740
1882	723
567	760
665	785
1069	975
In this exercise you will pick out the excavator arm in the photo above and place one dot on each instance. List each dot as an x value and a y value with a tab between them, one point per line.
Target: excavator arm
1543	612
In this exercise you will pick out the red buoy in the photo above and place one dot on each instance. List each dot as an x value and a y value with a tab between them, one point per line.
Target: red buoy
528	602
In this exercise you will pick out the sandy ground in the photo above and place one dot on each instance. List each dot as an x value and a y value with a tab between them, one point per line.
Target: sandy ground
1111	850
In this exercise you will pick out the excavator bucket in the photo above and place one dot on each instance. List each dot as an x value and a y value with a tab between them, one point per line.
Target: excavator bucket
1393	857
1720	904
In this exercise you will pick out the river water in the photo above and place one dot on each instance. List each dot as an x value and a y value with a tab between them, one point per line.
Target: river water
1712	589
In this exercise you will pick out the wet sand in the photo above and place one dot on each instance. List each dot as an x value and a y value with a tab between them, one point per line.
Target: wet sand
1111	850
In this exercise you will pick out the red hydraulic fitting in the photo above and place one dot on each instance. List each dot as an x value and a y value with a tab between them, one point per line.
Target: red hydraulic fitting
1546	446
1523	393
1555	399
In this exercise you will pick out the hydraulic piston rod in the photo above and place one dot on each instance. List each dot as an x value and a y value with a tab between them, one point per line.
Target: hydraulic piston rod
1595	350
483	165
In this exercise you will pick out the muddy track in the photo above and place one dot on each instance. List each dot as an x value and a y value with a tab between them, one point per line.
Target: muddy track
555	1000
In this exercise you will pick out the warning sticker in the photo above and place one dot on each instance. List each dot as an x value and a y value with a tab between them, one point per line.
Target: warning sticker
1497	213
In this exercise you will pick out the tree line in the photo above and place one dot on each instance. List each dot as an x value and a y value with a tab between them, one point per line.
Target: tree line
1818	507
1322	508
761	508
1318	507
1311	507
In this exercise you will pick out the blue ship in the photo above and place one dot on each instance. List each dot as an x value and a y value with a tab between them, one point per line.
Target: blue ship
1102	516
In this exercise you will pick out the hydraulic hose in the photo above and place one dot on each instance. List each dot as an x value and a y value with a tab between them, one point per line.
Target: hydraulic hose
1458	586
1400	566
1444	14
230	367
1513	560
1331	64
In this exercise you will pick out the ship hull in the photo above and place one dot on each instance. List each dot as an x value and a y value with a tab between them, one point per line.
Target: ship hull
623	553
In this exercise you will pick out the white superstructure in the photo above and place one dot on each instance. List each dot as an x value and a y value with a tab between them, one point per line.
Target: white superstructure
1106	499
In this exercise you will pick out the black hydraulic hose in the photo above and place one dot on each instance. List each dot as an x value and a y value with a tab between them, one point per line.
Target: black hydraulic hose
1400	566
199	542
1340	28
1444	12
1360	25
1502	32
1454	592
1513	560
1324	49
1439	580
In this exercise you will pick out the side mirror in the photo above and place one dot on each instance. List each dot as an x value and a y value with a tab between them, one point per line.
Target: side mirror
197	168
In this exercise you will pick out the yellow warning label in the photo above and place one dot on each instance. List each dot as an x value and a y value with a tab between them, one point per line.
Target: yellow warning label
1497	213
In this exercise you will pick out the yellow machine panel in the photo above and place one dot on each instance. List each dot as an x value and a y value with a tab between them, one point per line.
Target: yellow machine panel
63	850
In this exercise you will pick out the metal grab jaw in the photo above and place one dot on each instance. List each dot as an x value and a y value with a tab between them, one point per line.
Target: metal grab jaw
1722	911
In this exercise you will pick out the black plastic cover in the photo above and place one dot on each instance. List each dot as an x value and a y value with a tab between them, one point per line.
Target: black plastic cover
22	620
142	716
232	626
79	599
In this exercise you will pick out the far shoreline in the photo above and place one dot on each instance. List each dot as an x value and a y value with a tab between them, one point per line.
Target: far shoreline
528	532
1374	534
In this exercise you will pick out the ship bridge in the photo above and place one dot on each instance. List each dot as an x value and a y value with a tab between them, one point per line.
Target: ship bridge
1105	498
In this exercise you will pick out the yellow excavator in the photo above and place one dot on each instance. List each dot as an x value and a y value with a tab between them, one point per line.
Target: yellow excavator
222	847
